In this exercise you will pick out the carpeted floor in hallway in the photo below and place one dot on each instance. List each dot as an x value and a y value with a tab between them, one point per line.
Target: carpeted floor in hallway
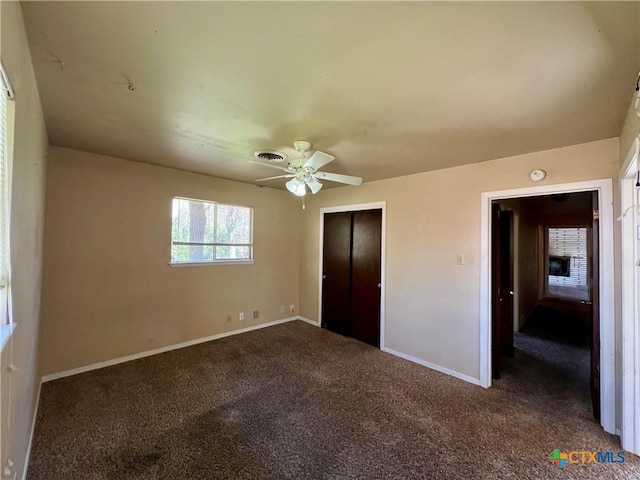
297	402
559	342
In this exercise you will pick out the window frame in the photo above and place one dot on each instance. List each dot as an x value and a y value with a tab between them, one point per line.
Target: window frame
224	261
7	323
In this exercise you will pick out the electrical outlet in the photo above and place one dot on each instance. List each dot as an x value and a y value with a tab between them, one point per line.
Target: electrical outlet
460	259
241	315
282	309
228	318
292	308
256	313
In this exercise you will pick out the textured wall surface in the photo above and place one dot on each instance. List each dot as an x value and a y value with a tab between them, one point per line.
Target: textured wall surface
433	305
108	289
19	389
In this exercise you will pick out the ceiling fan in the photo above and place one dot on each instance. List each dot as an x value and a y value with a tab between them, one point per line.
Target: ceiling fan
304	173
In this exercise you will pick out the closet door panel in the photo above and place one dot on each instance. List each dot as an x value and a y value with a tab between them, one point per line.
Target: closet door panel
365	276
336	273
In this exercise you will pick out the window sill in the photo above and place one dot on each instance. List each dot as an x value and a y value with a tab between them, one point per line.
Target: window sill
5	333
209	264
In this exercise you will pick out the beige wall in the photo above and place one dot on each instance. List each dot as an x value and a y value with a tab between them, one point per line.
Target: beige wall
526	261
433	305
528	266
630	131
27	218
108	290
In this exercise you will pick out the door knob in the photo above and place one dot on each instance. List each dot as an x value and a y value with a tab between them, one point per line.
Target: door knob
585	303
324	276
379	285
510	292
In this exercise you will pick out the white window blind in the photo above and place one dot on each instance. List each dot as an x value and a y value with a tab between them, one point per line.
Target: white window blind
570	243
5	196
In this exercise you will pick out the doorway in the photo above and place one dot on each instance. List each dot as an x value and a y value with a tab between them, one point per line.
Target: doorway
555	320
351	293
604	264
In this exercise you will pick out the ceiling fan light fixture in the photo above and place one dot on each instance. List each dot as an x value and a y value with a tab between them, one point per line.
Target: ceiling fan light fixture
314	185
296	186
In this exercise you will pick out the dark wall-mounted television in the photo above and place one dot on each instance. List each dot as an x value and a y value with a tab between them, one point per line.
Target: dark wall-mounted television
559	266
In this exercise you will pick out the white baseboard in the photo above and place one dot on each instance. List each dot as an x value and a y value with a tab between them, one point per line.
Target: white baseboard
33	429
309	321
148	353
432	366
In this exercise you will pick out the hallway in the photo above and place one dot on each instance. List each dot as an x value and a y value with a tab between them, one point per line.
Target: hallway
552	361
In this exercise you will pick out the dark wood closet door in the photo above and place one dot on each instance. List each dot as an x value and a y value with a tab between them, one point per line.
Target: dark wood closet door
365	276
336	273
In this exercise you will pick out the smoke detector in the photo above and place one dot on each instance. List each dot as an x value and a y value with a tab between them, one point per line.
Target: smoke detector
538	175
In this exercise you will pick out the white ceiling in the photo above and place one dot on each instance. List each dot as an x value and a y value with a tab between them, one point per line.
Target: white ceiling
388	88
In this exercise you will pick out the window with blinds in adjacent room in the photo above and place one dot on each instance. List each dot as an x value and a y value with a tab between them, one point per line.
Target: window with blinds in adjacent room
568	262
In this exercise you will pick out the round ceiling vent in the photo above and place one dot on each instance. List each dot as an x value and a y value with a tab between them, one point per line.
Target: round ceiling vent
270	156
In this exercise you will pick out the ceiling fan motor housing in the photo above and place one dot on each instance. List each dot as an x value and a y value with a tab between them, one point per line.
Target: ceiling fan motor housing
302	146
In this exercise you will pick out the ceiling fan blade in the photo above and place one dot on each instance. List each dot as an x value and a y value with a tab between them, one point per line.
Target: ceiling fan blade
269	165
336	177
273	178
318	159
314	185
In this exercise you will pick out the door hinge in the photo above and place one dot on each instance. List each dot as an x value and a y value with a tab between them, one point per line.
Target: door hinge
596	215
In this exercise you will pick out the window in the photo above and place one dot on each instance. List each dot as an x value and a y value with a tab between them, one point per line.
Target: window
568	258
6	110
209	232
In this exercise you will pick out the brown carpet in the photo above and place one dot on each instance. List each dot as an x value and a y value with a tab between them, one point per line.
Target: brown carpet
566	325
294	401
